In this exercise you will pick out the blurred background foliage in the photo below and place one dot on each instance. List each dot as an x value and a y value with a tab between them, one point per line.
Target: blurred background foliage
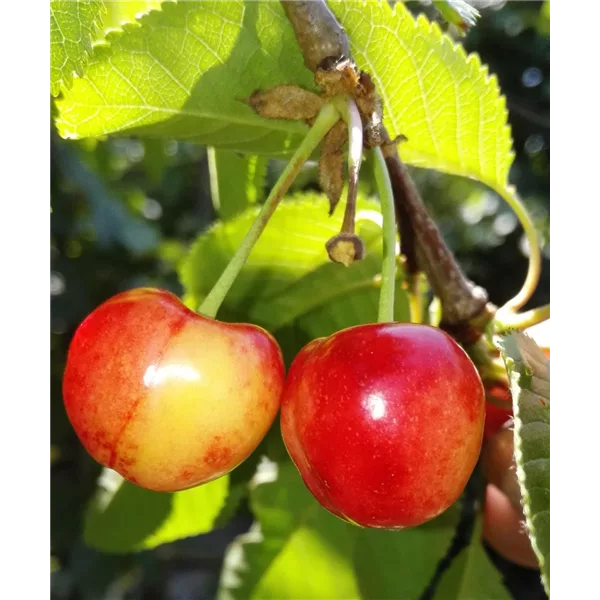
124	213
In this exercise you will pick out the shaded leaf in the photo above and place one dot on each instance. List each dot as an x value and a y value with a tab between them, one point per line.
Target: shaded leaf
73	27
296	550
529	374
123	517
111	221
472	574
291	246
236	181
401	564
543	21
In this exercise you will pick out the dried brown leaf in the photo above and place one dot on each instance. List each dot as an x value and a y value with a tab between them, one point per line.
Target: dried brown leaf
286	102
337	77
331	164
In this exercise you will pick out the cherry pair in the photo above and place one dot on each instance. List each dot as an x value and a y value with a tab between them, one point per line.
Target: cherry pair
383	421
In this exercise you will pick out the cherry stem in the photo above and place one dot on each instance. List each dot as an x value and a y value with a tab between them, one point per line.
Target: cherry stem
503	321
388	266
326	119
349	113
509	194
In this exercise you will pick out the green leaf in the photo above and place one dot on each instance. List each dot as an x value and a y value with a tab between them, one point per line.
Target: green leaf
125	518
472	574
184	71
444	101
529	374
236	181
112	223
401	564
331	298
288	274
297	550
118	12
73	27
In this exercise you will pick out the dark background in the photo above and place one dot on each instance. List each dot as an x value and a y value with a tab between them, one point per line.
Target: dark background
124	212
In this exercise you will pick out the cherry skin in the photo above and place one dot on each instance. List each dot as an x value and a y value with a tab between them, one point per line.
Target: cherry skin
498	409
384	422
168	398
503	521
504	529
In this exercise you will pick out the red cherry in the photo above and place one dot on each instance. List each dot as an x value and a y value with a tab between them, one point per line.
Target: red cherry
168	398
384	422
499	410
504	529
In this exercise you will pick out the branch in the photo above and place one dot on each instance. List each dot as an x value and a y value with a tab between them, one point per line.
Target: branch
462	301
318	33
464	305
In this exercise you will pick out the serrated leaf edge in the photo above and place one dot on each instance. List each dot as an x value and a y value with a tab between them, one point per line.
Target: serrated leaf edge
66	80
101	49
516	378
473	60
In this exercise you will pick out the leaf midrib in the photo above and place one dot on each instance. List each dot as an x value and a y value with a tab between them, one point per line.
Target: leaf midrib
277	125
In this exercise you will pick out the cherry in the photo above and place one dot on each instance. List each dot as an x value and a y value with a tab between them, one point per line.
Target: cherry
169	398
503	521
504	529
498	408
498	465
384	422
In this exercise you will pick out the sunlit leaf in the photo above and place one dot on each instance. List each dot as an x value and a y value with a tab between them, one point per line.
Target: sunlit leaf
184	71
119	12
543	21
296	550
443	100
123	517
74	25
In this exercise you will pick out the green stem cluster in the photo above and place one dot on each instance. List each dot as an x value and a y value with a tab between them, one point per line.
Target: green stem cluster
388	267
326	119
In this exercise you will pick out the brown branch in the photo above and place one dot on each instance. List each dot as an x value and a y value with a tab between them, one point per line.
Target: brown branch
461	300
465	307
318	32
